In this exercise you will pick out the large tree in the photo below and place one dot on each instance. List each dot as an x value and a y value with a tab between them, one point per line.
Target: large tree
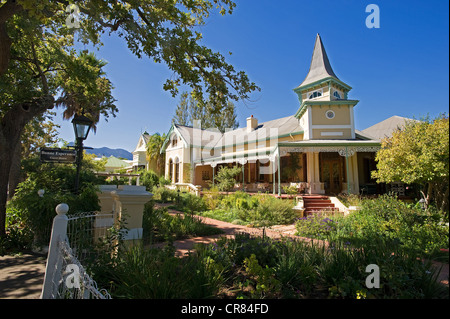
40	69
190	110
418	153
39	132
44	71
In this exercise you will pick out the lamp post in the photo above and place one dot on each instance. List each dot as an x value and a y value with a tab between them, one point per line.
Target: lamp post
81	126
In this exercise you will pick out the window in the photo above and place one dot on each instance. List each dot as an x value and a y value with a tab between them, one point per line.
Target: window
174	141
315	94
336	95
205	176
329	114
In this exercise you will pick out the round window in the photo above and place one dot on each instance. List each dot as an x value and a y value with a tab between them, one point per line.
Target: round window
329	114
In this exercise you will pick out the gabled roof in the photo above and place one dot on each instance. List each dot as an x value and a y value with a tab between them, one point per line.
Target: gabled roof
320	67
142	143
385	128
113	161
204	137
281	127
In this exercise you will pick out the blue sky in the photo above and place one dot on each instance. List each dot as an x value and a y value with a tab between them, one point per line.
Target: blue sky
401	68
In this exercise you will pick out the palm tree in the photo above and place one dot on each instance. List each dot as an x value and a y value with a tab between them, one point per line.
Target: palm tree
154	145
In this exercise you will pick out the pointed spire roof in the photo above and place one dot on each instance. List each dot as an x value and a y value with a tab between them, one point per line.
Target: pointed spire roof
320	65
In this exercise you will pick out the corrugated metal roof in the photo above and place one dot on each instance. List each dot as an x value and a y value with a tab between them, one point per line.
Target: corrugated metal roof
115	162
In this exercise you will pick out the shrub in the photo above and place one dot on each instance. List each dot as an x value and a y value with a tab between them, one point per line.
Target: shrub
384	220
316	226
149	179
256	210
191	203
164	195
158	225
158	274
212	198
28	213
275	211
226	177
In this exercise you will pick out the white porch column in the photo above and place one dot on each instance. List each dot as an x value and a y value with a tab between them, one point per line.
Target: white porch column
313	173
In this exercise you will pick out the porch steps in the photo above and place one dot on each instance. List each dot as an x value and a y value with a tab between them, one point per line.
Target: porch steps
318	203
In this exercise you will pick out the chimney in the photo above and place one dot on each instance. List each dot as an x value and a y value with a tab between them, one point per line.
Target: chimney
252	123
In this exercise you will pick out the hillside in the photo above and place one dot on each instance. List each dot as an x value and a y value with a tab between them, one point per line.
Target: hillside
106	151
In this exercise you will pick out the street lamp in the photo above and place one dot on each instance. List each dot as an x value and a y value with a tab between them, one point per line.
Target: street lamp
81	126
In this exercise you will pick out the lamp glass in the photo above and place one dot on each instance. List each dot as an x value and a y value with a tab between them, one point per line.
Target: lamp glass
81	126
82	130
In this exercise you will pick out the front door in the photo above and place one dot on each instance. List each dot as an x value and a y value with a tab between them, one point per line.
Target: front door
332	174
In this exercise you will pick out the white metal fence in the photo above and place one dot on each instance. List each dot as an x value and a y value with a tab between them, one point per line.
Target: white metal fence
72	241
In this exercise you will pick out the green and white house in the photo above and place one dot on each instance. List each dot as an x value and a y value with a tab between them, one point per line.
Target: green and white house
316	149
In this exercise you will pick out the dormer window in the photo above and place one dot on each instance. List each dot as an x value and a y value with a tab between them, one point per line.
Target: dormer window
336	95
315	94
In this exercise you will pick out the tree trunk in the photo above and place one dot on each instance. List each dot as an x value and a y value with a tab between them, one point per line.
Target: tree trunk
11	127
6	142
15	173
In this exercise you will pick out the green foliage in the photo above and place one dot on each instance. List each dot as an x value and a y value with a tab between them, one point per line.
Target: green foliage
255	267
189	110
154	145
226	177
190	203
164	195
256	210
28	213
385	220
260	268
149	179
265	283
315	226
157	274
418	153
212	197
159	225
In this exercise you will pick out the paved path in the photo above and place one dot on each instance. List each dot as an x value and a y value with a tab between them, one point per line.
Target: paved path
21	276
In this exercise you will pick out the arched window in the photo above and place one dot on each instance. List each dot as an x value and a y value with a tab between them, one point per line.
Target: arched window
174	141
171	170
177	170
315	94
336	95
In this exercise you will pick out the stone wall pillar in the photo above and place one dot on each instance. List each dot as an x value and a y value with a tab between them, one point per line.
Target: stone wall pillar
126	202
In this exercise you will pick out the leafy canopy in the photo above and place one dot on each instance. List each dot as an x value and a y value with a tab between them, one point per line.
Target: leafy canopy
165	31
418	153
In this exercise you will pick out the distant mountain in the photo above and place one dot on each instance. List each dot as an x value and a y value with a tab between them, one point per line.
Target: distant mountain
106	151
